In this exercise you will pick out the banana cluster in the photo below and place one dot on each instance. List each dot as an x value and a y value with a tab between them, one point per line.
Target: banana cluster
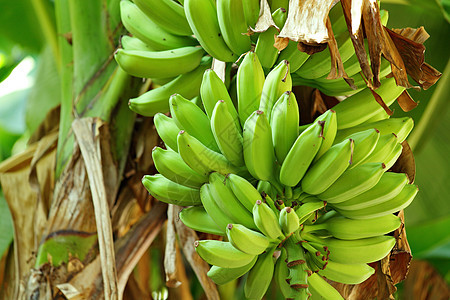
294	203
174	43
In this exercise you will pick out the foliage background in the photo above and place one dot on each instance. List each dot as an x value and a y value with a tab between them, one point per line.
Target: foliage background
27	36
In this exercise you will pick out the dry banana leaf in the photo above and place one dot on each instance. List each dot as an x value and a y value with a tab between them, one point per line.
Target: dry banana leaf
424	282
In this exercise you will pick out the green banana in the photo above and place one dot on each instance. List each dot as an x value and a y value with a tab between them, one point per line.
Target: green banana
222	254
259	155
133	43
289	220
320	287
295	57
360	107
251	11
260	276
200	158
212	90
224	275
329	131
167	130
346	273
301	155
167	14
227	135
348	229
157	100
249	83
244	191
159	64
202	18
389	186
284	123
247	240
365	143
266	220
190	118
142	27
395	154
353	182
277	82
399	202
353	251
217	215
230	14
196	217
170	192
265	49
171	165
307	209
401	127
385	146
322	174
227	202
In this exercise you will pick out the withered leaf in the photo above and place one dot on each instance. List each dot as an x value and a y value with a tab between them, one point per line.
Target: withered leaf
381	102
424	282
401	256
265	19
406	102
406	163
306	21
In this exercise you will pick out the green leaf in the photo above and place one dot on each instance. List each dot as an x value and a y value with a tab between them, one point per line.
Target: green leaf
445	6
46	92
58	245
6	225
430	239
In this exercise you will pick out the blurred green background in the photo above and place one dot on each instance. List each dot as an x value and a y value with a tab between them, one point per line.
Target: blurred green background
29	88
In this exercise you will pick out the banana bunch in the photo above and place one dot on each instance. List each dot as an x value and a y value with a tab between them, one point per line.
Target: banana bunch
297	203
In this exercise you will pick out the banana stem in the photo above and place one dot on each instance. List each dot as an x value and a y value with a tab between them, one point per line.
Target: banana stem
288	192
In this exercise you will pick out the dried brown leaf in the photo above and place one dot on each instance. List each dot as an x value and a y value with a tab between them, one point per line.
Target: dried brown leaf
170	254
401	256
337	67
406	163
381	102
306	21
406	102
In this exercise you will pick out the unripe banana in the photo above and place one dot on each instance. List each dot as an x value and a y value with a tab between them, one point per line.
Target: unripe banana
133	43
228	203
385	146
244	191
227	134
353	182
284	123
295	57
322	174
277	82
222	254
251	12
365	143
260	276
401	127
159	64
217	215
329	131
249	83
395	204
202	18
346	273
212	90
157	100
301	155
265	49
289	221
170	192
167	130
358	108
142	27
392	158
389	186
247	240
224	275
196	217
230	14
354	251
200	158
266	220
171	165
259	155
348	229
190	118
320	287
306	209
166	13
